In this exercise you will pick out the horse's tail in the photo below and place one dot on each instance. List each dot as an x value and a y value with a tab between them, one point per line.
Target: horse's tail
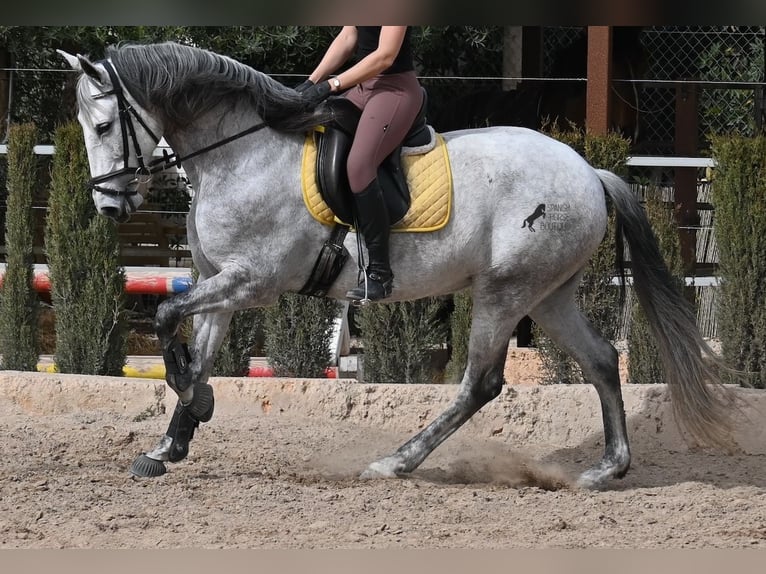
701	409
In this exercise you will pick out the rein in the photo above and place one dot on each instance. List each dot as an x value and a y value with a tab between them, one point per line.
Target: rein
126	113
169	160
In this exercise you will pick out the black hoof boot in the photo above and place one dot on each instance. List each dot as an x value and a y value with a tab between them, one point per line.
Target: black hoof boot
377	286
146	467
203	403
177	358
181	430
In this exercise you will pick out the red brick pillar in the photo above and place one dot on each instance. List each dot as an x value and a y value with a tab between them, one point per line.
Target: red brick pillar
686	142
599	97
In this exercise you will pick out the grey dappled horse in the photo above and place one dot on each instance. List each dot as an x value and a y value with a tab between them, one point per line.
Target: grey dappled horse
240	136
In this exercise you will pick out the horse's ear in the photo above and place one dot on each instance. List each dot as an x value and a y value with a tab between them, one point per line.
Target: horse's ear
91	70
83	64
73	62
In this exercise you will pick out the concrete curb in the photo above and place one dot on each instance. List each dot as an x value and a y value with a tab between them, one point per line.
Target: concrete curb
557	415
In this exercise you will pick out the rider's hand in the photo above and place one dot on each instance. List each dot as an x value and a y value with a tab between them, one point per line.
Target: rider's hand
314	95
302	87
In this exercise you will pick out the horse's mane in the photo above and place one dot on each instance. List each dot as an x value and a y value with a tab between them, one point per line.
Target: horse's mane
183	82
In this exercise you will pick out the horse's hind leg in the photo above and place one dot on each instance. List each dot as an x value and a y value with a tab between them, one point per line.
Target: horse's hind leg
494	317
559	317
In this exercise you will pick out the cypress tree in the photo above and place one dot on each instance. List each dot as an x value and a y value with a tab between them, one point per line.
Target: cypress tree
19	338
398	340
740	228
298	332
87	282
460	329
233	358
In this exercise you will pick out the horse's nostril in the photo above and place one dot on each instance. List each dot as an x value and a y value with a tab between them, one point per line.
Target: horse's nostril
110	212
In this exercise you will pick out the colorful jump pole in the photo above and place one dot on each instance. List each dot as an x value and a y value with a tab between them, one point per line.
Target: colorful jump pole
168	281
138	280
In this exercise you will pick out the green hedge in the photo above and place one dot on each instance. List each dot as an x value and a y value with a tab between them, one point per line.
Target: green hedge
399	339
19	336
739	198
298	334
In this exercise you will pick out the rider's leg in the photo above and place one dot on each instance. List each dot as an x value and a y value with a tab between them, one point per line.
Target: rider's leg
389	107
372	222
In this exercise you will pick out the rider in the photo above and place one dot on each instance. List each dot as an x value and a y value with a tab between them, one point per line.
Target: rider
389	94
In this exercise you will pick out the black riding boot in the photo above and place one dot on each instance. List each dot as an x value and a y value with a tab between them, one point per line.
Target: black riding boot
373	223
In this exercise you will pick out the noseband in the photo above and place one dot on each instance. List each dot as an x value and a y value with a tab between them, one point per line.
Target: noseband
126	114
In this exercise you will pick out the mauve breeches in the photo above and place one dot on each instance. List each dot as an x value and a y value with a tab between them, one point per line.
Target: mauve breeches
389	104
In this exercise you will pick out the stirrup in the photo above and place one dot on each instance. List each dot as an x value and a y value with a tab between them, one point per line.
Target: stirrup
372	287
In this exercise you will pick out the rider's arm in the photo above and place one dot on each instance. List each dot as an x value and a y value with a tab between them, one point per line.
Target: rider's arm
337	53
389	44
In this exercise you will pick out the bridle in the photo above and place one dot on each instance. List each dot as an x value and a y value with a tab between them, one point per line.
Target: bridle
144	170
126	114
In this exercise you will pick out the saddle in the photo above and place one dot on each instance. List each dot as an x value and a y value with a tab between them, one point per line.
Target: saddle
333	145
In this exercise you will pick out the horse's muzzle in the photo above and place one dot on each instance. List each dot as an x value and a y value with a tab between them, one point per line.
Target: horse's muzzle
115	213
118	205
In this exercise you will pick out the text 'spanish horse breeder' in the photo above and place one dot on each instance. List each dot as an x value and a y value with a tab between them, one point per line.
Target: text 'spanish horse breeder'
242	137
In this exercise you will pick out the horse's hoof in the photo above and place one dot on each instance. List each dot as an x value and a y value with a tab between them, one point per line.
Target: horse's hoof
600	474
379	469
589	481
146	467
203	403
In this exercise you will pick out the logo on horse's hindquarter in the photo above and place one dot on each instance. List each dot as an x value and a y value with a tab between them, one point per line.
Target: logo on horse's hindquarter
538	212
556	217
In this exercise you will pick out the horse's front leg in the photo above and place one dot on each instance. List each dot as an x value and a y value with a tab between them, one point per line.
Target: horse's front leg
187	373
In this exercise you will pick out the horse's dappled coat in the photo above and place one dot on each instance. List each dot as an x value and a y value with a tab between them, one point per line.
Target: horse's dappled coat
250	232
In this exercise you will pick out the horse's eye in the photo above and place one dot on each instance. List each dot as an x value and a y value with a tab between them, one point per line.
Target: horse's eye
101	129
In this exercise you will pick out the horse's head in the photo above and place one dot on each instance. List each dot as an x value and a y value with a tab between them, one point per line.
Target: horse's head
119	137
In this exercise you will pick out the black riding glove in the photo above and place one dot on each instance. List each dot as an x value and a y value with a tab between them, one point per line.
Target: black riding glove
316	94
300	88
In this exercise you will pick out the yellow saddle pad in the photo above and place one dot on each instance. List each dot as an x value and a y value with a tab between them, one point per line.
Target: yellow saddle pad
428	177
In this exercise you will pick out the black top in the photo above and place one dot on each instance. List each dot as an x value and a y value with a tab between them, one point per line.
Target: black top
367	41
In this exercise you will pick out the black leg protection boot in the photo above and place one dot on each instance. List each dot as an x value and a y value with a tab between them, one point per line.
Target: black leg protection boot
373	223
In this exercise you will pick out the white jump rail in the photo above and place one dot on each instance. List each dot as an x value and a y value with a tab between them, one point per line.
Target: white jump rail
44	149
669	161
636	161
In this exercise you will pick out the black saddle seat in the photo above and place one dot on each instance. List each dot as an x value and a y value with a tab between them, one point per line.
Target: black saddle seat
346	118
333	148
